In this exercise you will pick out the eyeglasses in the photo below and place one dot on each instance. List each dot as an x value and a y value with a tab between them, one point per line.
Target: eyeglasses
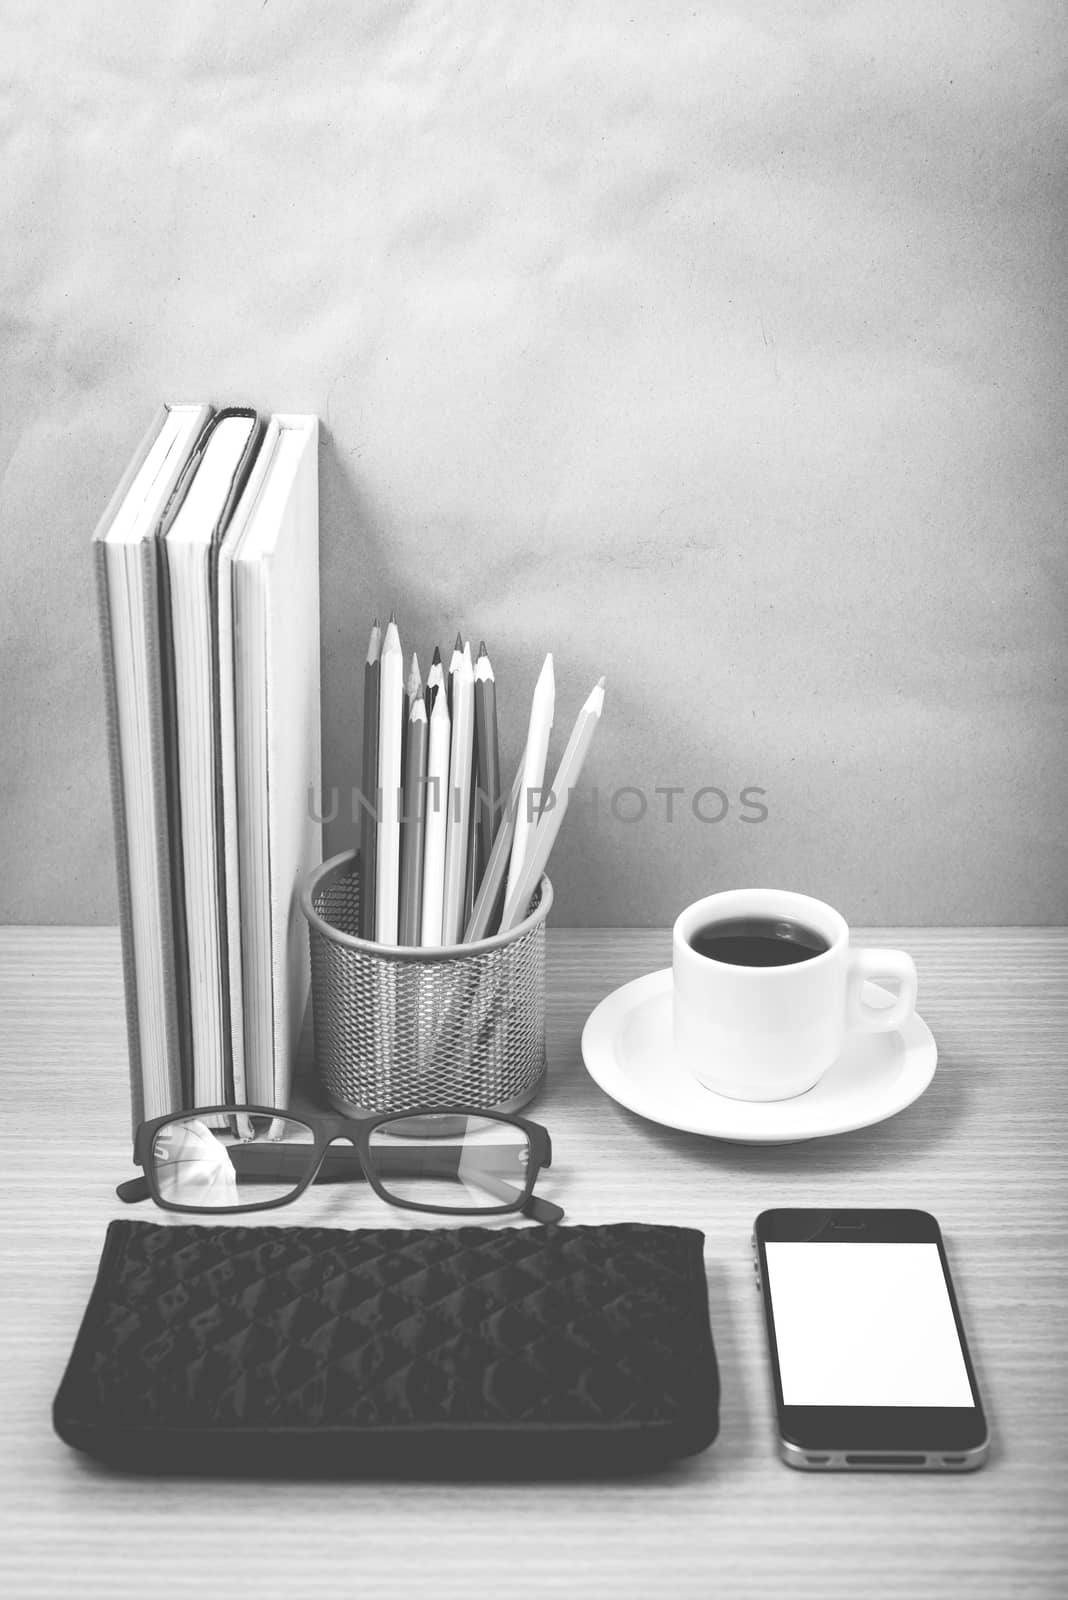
251	1158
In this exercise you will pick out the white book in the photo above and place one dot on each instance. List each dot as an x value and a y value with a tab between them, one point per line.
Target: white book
191	544
125	545
268	601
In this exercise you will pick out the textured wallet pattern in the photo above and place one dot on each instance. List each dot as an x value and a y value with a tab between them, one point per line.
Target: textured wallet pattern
434	1351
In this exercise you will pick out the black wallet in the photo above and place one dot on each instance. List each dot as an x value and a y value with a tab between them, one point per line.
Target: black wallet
435	1353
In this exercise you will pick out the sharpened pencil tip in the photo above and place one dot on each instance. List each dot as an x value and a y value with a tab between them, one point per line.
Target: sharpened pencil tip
600	683
437	657
459	641
482	651
392	618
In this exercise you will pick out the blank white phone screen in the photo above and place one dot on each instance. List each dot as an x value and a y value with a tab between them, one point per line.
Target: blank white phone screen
864	1325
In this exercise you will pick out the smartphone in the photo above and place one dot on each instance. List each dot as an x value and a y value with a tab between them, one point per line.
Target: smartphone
870	1364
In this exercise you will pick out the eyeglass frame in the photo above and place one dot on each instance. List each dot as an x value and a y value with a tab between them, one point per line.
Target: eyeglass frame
356	1131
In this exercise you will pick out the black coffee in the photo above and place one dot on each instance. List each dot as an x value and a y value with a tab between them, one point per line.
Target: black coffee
758	942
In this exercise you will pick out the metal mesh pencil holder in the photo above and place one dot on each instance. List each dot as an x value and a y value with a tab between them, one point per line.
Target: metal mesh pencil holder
400	1027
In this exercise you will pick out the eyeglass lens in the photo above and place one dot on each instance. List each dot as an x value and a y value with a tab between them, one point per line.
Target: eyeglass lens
451	1163
216	1160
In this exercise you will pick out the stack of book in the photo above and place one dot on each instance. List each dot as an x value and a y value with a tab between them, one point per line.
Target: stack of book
207	562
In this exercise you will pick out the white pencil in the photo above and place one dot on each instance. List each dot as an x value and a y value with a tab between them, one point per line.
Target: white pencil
454	663
480	922
463	732
390	733
533	768
567	776
487	770
437	810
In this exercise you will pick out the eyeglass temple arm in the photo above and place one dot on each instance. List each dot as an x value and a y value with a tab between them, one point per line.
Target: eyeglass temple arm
133	1189
274	1161
542	1210
268	1161
533	1206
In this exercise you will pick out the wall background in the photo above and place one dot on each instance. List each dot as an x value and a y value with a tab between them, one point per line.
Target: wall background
720	349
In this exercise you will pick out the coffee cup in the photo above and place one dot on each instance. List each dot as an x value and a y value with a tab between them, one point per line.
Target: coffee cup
766	986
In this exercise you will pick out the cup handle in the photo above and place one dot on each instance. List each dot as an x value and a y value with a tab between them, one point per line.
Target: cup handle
873	965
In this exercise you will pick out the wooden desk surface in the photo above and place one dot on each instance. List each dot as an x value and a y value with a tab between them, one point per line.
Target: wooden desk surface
984	1150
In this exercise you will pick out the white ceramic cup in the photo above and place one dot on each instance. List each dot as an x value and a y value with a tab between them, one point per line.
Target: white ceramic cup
769	1033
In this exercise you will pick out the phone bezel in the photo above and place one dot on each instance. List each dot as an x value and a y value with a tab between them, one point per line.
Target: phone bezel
832	1430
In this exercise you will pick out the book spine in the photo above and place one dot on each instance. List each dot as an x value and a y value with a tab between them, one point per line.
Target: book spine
222	684
167	831
118	814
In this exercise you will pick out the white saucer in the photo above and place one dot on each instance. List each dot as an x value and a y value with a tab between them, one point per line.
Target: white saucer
628	1050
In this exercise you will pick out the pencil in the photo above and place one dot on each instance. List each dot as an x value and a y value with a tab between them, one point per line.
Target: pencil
537	748
390	728
413	825
437	810
435	682
487	766
413	688
369	782
471	865
459	800
483	920
454	662
548	827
